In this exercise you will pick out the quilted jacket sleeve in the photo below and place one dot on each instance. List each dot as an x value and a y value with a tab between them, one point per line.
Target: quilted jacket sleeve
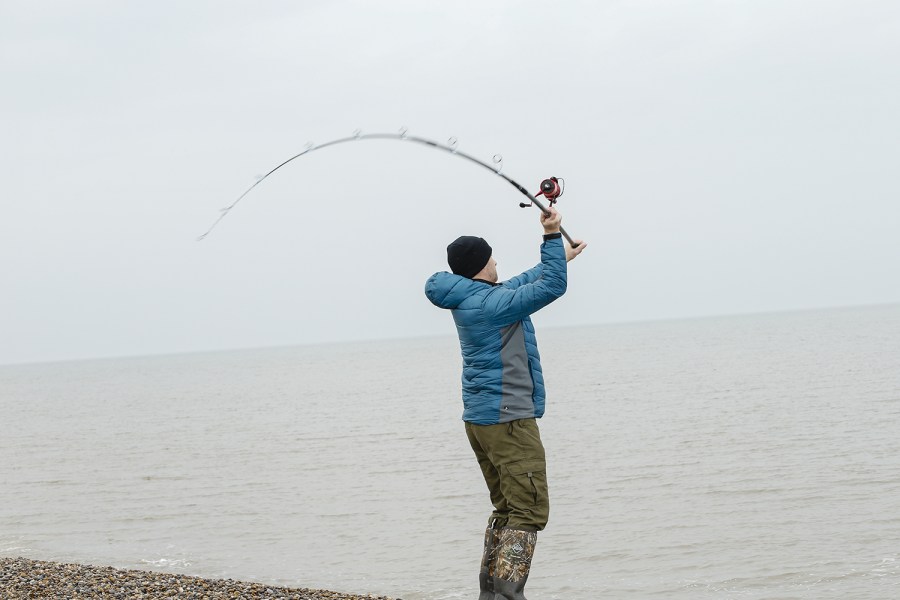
528	276
506	305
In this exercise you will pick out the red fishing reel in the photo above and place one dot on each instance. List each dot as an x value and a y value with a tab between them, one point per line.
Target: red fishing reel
551	189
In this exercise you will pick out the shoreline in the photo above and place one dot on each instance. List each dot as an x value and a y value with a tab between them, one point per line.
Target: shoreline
27	578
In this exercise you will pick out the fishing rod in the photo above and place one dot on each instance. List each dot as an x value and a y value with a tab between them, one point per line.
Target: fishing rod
551	188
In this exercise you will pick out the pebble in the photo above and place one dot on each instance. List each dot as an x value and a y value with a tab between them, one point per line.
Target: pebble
25	578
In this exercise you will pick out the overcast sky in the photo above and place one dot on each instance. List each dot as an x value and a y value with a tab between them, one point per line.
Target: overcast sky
720	157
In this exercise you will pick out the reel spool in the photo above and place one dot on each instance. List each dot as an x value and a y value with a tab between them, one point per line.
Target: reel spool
551	189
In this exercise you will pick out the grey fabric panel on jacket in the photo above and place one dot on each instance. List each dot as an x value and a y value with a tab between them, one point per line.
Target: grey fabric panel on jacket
517	384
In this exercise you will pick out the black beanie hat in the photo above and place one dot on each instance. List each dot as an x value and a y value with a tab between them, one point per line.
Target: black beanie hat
468	255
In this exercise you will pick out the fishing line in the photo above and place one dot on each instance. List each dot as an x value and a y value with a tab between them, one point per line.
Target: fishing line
551	188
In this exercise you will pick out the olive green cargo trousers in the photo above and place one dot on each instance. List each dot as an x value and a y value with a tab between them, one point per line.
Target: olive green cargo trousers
511	457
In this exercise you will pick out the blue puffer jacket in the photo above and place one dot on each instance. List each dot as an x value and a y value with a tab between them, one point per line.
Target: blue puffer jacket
501	379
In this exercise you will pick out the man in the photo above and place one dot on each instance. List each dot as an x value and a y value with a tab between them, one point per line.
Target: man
503	392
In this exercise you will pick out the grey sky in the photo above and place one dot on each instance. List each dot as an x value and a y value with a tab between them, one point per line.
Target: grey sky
720	157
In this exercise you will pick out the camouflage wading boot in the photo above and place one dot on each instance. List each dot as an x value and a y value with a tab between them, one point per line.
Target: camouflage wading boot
514	550
489	561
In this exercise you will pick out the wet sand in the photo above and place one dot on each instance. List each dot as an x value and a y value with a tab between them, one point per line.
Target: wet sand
24	578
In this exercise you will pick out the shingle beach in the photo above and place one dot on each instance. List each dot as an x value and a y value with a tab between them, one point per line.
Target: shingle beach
24	578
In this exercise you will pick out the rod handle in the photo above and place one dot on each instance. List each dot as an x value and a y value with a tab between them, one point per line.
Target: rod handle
568	238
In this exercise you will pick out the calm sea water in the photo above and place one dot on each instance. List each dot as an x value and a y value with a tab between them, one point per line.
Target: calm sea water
743	457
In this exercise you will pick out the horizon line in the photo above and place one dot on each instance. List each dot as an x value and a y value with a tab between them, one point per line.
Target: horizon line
429	336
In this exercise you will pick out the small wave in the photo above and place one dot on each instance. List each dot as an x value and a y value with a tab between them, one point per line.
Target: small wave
10	544
166	562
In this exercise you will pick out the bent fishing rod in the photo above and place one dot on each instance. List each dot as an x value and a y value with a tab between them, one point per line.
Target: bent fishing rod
551	188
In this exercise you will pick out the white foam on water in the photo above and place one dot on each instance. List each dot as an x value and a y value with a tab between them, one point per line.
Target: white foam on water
167	563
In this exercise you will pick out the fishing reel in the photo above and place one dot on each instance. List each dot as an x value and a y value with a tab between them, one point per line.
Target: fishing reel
551	189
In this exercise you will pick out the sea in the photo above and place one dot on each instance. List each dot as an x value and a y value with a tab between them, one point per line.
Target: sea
745	457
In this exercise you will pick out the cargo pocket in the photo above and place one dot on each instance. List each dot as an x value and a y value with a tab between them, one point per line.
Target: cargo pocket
529	480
